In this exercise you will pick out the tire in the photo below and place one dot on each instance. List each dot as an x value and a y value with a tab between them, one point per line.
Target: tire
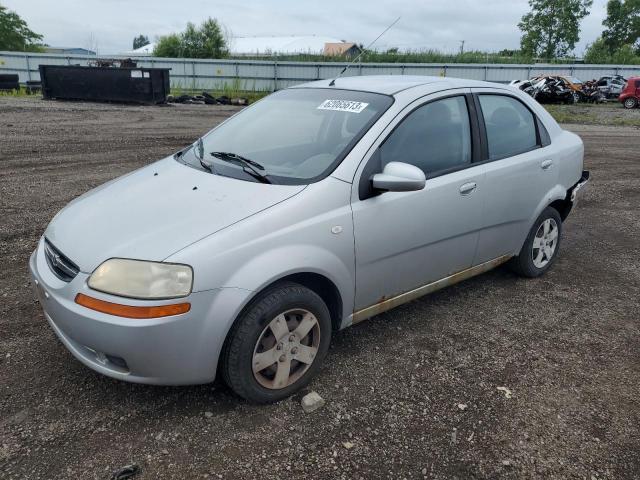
530	266
630	103
267	333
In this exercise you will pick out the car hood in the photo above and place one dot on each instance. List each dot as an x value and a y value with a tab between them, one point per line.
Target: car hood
153	212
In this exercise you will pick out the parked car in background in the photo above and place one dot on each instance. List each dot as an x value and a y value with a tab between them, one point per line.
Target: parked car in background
630	95
611	85
314	209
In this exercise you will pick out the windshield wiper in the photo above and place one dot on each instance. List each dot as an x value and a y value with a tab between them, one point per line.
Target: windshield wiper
249	166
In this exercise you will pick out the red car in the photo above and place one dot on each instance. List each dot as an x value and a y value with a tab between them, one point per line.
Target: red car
630	95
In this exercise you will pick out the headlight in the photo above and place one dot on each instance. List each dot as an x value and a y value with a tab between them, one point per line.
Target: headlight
141	279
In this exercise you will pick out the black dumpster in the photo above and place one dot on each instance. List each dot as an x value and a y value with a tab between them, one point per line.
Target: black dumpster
105	84
9	81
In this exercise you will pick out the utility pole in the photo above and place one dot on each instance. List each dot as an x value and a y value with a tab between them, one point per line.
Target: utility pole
461	47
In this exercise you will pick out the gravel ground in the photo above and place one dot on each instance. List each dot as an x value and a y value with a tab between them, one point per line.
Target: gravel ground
412	393
610	113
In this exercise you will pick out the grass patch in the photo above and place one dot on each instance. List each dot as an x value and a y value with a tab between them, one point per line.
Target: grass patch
15	93
611	114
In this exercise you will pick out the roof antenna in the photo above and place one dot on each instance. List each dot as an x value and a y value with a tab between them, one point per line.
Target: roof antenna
333	82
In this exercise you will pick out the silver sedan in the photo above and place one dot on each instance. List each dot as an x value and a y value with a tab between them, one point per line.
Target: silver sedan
314	209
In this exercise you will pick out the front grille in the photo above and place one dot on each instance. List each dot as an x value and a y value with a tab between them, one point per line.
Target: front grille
60	265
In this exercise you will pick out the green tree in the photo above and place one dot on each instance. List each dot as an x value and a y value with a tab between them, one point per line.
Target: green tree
552	28
599	52
168	46
622	24
205	41
15	35
140	41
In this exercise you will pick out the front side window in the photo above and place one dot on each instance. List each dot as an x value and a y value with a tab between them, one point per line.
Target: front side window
510	126
434	137
295	136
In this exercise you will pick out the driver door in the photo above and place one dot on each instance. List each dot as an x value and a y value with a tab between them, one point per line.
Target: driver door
405	240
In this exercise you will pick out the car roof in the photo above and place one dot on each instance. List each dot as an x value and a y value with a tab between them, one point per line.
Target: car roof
392	84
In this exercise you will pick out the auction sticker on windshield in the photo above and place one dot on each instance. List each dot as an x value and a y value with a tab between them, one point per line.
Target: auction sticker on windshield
343	106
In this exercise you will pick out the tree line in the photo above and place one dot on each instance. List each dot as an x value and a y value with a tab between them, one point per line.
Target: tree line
550	31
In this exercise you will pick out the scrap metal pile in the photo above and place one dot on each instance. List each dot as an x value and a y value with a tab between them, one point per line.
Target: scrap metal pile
569	90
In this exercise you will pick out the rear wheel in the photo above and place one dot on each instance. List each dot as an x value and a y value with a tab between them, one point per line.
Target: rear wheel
630	103
541	247
277	345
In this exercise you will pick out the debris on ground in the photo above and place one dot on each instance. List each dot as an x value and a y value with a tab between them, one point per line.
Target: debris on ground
207	99
507	392
126	472
208	414
462	406
311	402
347	445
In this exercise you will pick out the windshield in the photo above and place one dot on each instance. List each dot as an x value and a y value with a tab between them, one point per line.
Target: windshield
296	136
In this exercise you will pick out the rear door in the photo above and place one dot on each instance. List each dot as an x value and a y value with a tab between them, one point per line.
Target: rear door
520	171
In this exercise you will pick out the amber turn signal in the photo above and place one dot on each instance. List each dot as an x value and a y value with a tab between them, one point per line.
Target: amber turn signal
130	311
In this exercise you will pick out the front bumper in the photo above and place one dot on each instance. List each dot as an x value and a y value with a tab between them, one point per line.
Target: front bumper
177	350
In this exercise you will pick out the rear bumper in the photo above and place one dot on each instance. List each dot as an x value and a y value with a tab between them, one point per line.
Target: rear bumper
177	350
578	186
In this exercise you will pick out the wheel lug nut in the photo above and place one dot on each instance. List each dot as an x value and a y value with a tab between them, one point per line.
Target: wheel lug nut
292	338
279	346
294	350
282	358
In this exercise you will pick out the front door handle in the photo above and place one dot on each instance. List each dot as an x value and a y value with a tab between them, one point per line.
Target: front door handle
546	165
468	188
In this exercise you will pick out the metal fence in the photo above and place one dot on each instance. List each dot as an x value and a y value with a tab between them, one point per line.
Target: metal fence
269	75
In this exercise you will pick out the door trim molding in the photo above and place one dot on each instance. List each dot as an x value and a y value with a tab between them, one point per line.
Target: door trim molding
388	303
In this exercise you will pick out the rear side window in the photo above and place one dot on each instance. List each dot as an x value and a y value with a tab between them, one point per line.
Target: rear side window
434	137
510	126
637	83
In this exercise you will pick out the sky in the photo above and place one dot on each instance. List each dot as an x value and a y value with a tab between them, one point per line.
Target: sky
110	25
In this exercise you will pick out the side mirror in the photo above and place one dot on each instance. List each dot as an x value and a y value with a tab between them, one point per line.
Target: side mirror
399	177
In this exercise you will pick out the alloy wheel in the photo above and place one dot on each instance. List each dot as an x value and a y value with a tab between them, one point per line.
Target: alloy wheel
286	349
545	243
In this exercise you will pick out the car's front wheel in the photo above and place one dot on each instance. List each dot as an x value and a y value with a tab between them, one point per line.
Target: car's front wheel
630	103
541	246
277	345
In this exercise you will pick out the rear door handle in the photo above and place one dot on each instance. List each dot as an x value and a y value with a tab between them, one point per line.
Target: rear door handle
546	165
468	188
